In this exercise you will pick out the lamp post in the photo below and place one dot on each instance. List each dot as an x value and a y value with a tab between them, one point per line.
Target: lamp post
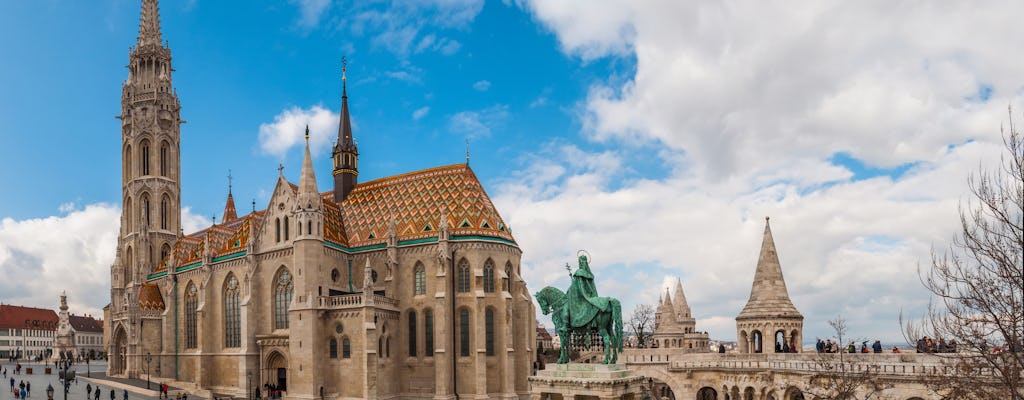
148	359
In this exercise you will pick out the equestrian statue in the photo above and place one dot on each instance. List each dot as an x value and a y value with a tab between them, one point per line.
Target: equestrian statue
580	311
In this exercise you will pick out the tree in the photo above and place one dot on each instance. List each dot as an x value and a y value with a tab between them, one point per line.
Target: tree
978	286
842	376
642	323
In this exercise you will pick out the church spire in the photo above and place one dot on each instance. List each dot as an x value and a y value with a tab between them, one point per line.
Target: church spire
149	24
307	179
768	294
345	154
229	208
680	299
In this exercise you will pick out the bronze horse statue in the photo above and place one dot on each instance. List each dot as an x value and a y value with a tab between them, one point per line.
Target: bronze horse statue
582	317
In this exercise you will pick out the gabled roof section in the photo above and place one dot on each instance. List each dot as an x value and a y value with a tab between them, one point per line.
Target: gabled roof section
86	323
768	295
17	317
415	200
150	298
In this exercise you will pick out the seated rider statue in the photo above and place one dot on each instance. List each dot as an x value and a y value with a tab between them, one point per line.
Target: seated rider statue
583	300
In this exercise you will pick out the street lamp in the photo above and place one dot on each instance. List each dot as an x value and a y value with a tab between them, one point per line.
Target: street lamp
148	358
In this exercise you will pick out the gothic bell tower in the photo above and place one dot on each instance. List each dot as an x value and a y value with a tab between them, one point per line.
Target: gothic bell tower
150	162
345	154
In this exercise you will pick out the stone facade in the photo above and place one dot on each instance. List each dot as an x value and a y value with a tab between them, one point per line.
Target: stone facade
405	287
675	327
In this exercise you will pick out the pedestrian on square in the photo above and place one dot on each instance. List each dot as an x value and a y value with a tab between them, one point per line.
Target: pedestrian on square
125	394
88	390
12	383
113	396
23	394
28	388
97	393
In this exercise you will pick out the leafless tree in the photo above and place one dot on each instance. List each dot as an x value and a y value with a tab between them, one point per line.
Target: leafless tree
842	376
978	286
641	322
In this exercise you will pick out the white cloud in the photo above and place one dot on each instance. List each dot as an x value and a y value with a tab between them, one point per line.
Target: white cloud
746	104
420	113
288	129
479	123
482	85
311	11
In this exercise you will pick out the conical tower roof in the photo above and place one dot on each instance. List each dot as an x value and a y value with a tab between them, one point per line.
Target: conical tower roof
309	195
768	295
229	210
679	299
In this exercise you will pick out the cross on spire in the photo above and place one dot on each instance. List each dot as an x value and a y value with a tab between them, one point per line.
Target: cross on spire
229	182
280	169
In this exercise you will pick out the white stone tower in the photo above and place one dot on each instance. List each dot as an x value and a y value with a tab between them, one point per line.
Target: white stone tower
150	180
769	312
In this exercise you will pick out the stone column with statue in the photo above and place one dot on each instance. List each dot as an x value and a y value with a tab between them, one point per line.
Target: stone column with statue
64	339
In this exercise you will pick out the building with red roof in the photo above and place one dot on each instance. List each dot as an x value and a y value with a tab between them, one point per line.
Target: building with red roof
26	332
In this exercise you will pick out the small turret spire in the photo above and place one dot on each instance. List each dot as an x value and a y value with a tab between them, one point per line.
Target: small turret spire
346	153
229	207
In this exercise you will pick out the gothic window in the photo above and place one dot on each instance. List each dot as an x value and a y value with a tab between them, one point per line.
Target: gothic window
489	331
144	160
165	250
334	348
128	163
346	348
145	209
309	227
419	279
163	212
285	228
163	159
428	333
463	276
191	304
489	276
128	217
412	333
508	278
464	333
282	298
277	225
232	314
387	347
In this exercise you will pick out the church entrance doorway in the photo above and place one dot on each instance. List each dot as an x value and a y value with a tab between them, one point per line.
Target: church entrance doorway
282	379
119	361
275	372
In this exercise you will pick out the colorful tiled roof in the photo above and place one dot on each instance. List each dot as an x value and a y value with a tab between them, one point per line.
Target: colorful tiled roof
150	298
416	201
18	317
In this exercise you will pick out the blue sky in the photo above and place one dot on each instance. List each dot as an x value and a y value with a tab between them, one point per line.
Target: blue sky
655	135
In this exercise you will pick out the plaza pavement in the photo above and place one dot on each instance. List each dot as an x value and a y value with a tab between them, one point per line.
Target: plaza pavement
39	379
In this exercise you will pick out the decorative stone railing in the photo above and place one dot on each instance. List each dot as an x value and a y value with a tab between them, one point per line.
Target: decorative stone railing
355	301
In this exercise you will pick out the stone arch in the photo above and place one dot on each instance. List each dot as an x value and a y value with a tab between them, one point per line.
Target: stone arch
794	393
127	169
781	340
749	393
743	342
734	394
707	393
119	350
165	155
796	338
275	369
144	157
670	380
756	341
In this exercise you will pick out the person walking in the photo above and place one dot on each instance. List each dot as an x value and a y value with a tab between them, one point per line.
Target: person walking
877	346
88	390
125	394
96	394
113	396
23	394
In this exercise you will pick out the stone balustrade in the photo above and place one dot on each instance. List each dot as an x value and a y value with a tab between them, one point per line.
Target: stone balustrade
348	301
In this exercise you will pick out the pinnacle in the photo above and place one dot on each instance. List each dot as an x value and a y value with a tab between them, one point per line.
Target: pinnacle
149	23
768	294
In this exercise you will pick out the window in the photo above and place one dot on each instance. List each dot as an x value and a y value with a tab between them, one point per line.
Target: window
387	347
145	158
463	276
277	229
232	314
412	333
191	304
489	276
282	298
334	348
163	159
285	228
165	250
128	162
346	348
419	279
428	333
163	212
489	331
145	209
128	214
464	332
309	227
505	282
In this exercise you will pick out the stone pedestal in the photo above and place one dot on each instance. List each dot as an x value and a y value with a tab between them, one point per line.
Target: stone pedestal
585	382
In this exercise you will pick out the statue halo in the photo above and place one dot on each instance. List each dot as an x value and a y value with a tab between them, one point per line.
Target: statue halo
590	259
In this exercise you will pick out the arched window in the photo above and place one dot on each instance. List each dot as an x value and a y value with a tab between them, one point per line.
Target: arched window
309	227
419	279
412	333
165	250
464	333
387	347
128	162
163	212
508	278
144	160
346	348
489	276
285	228
283	289
334	348
191	304
463	276
428	333
277	229
128	215
145	210
489	331
163	159
232	314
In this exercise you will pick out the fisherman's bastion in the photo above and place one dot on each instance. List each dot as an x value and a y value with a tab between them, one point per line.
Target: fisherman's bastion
404	287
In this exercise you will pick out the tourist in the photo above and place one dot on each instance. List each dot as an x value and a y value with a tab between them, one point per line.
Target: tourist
942	345
895	350
952	346
125	394
820	346
28	388
88	390
97	393
852	348
877	346
113	395
721	350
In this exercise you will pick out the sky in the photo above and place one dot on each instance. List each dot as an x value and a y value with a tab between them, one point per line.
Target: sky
657	135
